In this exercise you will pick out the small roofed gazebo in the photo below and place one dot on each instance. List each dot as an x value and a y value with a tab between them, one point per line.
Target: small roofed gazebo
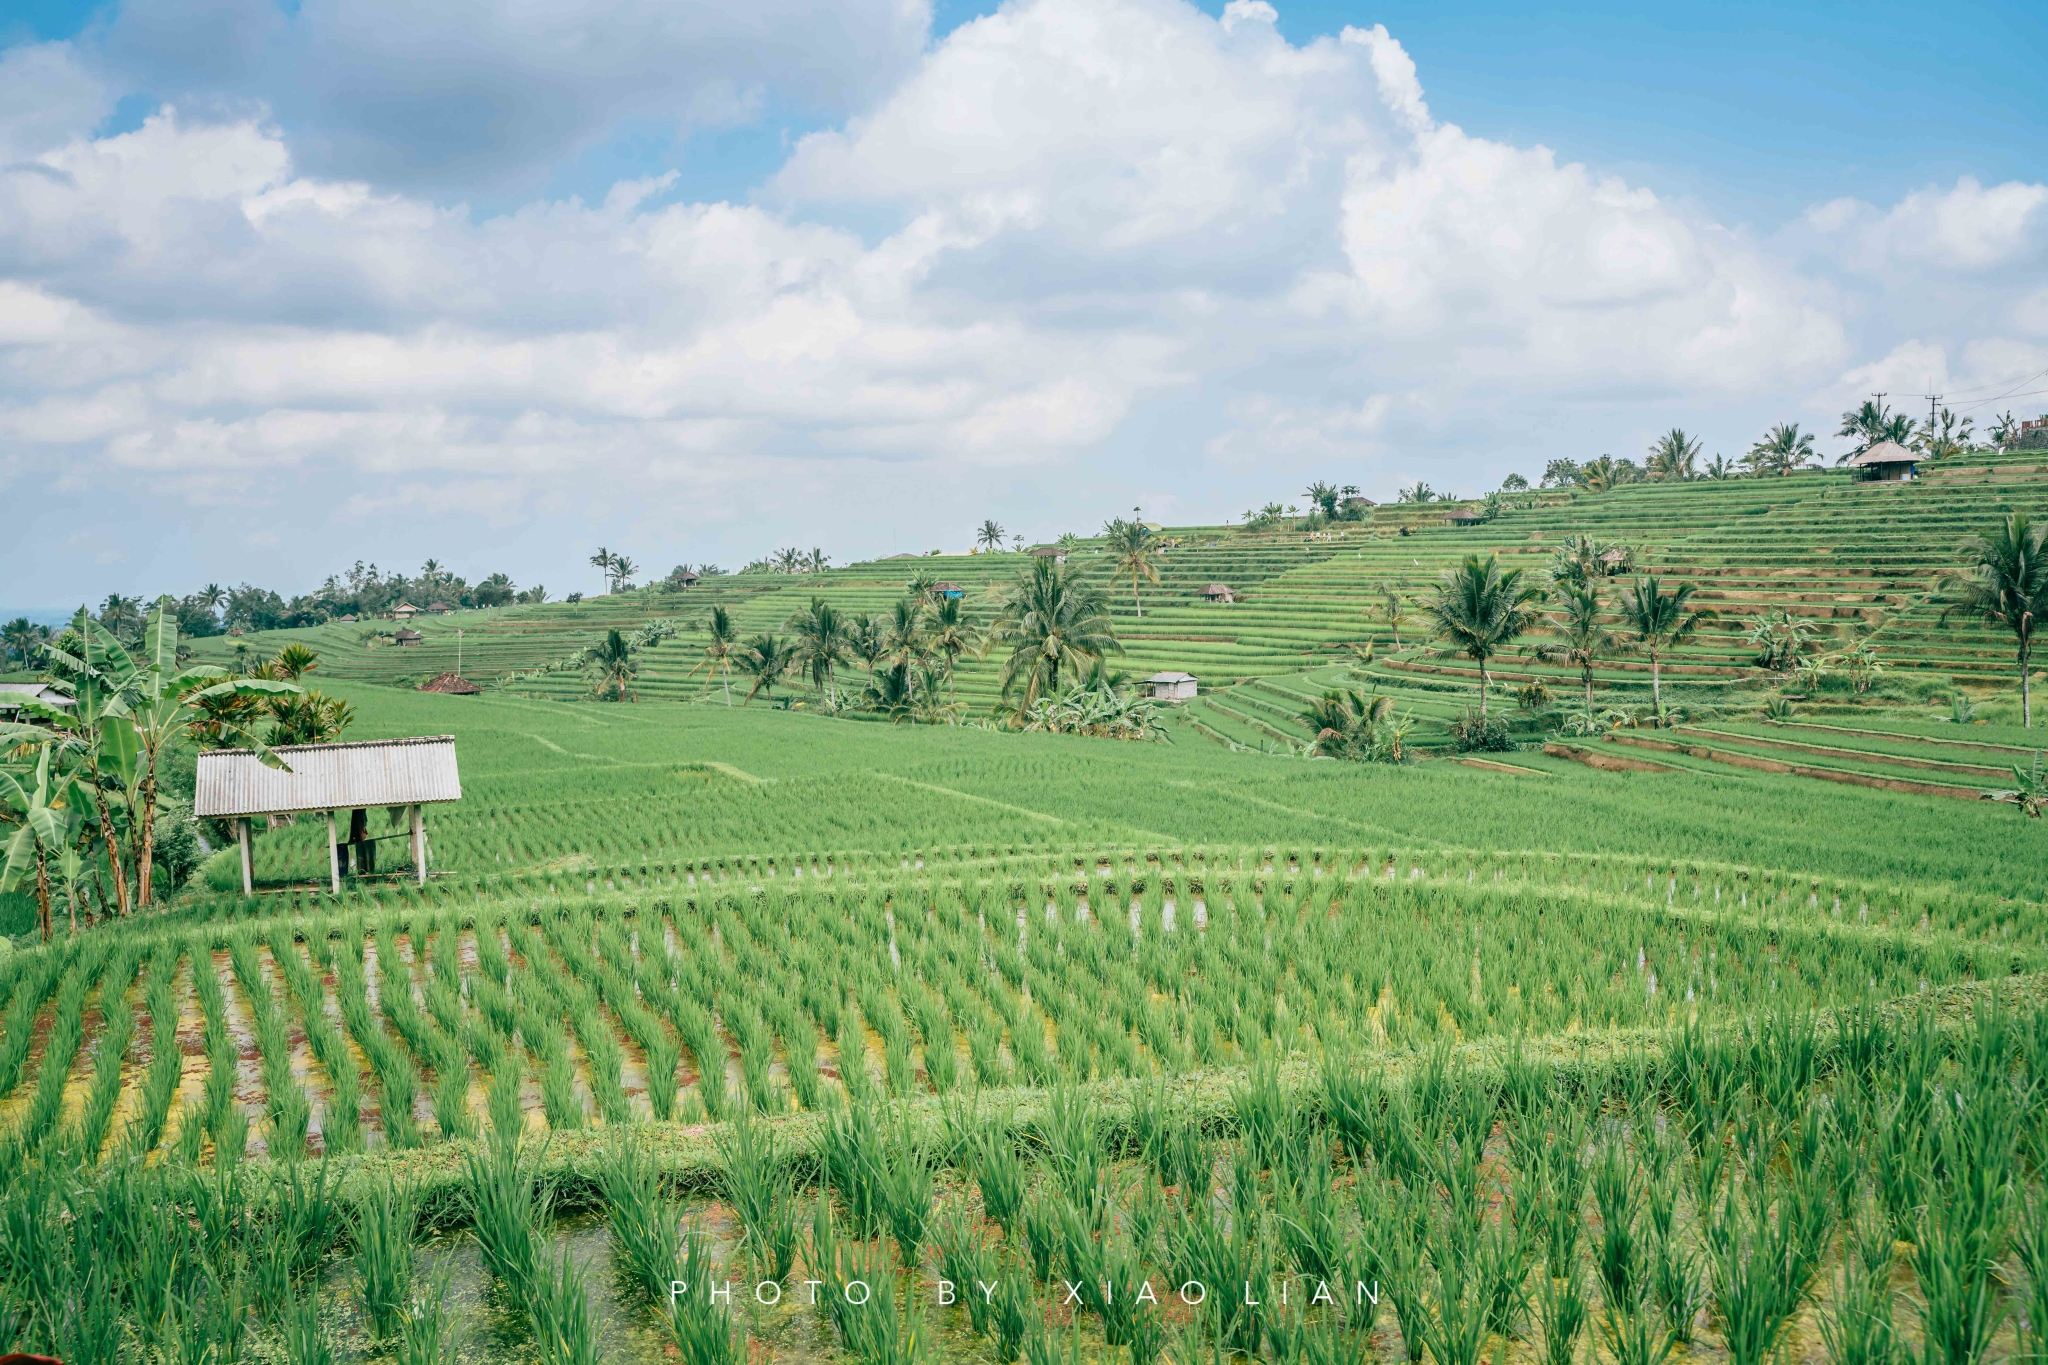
1218	592
404	775
1885	461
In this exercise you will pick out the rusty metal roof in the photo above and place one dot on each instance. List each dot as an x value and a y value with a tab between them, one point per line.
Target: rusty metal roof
378	772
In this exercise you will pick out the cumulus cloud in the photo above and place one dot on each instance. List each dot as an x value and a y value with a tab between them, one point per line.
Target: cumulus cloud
1113	236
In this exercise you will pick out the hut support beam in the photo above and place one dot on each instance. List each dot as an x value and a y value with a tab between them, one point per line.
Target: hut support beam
243	837
333	856
419	843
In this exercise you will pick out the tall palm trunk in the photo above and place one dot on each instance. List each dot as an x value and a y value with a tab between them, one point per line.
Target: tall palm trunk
1485	686
1586	674
1656	686
2026	695
1135	603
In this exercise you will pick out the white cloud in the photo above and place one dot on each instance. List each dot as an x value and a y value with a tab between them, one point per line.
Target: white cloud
1080	249
1970	227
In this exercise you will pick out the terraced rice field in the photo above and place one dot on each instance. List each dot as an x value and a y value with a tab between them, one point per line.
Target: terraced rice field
1859	560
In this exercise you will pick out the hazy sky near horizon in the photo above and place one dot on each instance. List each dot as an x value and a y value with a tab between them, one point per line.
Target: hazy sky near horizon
285	286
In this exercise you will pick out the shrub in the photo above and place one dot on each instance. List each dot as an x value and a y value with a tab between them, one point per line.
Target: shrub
1473	733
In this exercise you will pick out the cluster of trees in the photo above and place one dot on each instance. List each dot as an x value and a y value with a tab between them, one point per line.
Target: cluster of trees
788	560
1784	449
1053	630
83	796
363	591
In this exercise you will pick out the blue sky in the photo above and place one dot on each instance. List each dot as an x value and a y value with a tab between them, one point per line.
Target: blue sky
935	299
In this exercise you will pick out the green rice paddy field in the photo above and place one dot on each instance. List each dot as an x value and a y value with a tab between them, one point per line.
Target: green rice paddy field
728	1035
1548	1060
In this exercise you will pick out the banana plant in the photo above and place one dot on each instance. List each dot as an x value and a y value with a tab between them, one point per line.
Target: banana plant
140	710
44	823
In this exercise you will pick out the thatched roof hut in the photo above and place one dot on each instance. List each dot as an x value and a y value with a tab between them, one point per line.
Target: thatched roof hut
452	685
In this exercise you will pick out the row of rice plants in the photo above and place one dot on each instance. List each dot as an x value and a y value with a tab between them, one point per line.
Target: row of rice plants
1864	1193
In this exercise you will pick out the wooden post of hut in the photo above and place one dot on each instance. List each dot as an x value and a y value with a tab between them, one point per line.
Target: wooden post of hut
399	774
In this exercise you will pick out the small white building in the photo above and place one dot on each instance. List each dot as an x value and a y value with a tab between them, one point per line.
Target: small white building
1172	686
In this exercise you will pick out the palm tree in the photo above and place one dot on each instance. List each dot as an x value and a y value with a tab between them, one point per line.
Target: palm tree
817	561
2005	582
719	651
1871	423
1052	623
623	570
1395	615
1480	608
990	536
1946	437
1783	449
821	644
788	560
1579	638
602	561
610	665
1660	623
903	641
765	659
950	634
1130	542
866	642
1718	468
20	638
1324	496
1672	456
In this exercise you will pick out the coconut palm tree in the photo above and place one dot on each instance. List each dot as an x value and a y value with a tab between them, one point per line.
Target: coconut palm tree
719	651
1872	422
949	634
1783	449
1659	623
602	561
817	561
1480	609
821	645
1130	545
1394	615
610	666
765	659
20	639
1578	638
1946	438
1053	624
903	642
2005	582
990	536
623	570
1672	456
1324	496
866	641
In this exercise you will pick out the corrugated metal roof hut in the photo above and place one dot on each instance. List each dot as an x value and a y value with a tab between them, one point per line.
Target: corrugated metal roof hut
1172	686
401	774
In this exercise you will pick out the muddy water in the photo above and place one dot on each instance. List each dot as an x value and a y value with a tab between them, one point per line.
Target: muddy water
134	1064
192	1065
249	1092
